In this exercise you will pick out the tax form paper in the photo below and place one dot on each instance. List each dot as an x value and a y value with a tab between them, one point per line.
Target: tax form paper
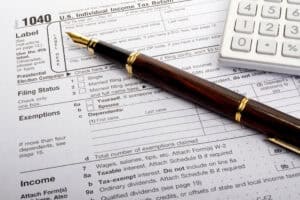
76	126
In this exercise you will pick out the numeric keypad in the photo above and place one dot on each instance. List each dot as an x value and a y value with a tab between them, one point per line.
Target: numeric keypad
263	34
268	27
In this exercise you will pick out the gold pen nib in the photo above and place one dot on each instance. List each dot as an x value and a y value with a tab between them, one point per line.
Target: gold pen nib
79	39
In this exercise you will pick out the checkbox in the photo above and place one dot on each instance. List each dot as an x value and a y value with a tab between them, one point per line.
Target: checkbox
89	102
90	108
80	78
82	90
81	85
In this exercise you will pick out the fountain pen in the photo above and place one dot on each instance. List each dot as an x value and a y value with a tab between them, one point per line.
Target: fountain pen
279	128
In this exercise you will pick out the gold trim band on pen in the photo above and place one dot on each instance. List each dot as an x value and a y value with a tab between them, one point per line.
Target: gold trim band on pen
241	108
130	60
91	45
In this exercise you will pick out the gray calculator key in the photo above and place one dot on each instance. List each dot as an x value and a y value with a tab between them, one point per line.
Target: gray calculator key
247	8
268	28
293	13
244	26
241	44
291	49
271	11
268	47
292	31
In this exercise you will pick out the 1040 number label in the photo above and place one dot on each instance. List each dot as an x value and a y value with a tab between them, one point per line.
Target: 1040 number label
31	21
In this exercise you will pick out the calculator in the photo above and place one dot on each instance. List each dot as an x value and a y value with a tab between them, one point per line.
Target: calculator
262	35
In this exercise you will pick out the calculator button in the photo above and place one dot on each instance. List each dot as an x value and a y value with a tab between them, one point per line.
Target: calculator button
291	49
292	31
241	44
294	1
247	8
271	11
293	13
268	28
266	47
244	26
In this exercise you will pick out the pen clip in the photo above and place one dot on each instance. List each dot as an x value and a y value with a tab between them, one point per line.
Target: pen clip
285	145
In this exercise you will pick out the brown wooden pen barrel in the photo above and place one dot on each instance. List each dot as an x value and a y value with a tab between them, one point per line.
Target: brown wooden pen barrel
218	99
271	122
213	97
187	86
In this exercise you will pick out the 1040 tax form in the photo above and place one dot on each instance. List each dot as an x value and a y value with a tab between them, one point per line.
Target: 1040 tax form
76	126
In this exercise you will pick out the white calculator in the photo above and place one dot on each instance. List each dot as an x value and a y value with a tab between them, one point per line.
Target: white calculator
262	35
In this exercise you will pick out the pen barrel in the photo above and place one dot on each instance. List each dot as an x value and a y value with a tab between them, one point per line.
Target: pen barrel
272	122
188	86
176	81
213	97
